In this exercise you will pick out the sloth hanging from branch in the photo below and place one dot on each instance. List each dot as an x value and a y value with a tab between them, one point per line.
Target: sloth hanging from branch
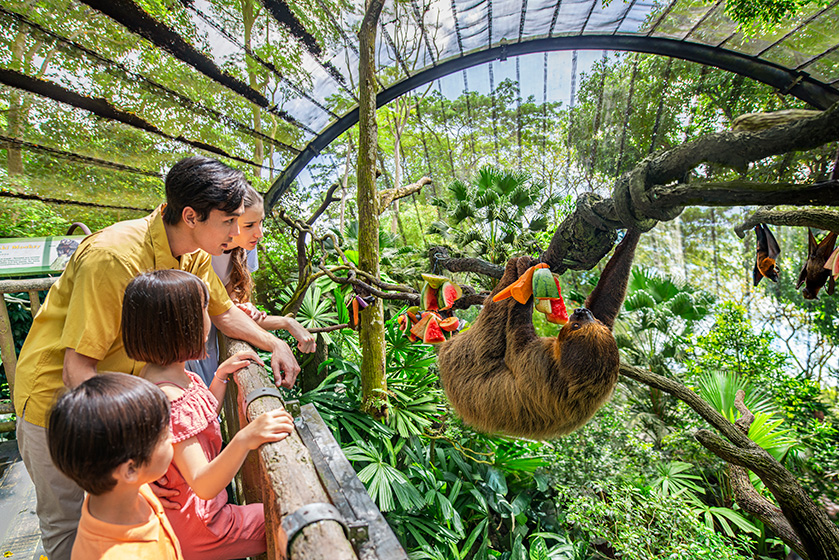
502	378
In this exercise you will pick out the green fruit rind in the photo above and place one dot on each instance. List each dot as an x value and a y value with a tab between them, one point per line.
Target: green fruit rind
543	284
434	280
543	306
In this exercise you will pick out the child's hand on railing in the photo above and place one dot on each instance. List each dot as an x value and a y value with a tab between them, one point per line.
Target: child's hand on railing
235	363
268	427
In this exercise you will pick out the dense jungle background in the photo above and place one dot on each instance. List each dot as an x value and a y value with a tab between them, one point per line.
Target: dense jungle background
505	171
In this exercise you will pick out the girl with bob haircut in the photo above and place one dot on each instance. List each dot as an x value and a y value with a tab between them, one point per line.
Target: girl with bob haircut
110	435
165	323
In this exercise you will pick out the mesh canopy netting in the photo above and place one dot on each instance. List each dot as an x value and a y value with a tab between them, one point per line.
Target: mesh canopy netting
214	76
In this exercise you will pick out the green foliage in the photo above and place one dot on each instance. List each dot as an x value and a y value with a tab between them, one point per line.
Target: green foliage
640	524
755	16
806	443
20	218
497	213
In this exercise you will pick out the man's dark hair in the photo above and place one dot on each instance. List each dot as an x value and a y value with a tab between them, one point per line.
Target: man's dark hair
203	184
162	317
107	420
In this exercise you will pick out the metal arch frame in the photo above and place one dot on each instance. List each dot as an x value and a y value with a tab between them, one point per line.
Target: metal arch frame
797	83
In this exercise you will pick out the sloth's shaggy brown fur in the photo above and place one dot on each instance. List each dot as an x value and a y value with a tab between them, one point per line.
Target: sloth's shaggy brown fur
502	378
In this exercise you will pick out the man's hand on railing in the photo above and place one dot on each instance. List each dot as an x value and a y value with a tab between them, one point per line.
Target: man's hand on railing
284	365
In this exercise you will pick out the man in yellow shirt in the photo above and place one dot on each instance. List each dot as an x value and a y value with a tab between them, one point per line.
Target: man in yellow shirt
77	330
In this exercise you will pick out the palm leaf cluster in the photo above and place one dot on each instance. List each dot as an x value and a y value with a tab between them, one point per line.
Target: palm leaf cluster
496	214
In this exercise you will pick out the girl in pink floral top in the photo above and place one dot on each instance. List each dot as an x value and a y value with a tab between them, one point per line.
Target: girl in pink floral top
165	323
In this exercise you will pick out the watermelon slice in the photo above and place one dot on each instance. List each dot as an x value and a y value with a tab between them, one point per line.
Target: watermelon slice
449	324
447	294
558	314
419	328
429	298
433	334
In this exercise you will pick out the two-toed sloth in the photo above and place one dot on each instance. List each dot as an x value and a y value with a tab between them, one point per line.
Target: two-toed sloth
502	378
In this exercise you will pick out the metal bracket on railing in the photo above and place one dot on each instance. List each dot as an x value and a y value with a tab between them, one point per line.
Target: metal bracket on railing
262	392
307	515
293	408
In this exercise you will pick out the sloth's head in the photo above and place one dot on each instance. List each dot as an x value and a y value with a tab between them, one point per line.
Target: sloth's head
583	339
583	325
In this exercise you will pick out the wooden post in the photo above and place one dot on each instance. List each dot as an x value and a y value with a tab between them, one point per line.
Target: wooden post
288	479
7	341
34	303
7	345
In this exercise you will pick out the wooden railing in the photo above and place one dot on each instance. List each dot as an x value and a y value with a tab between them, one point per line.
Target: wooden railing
7	341
293	478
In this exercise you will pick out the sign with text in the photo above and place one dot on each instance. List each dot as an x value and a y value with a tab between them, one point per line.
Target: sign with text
36	255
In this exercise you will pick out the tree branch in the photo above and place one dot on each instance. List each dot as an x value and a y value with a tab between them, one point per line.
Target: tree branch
329	199
820	218
387	196
818	534
439	256
744	193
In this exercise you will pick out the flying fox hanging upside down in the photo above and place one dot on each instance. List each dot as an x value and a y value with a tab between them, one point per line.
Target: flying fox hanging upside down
766	255
502	378
814	274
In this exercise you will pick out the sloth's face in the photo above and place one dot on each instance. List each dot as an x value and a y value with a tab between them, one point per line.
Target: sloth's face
583	325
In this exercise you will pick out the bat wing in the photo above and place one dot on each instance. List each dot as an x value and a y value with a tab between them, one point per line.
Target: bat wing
773	250
803	275
757	276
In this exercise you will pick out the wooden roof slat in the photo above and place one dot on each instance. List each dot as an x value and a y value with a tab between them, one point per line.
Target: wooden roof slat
102	108
135	19
114	66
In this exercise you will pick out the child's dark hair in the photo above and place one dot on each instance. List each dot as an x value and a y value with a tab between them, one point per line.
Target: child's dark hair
240	284
107	420
162	317
203	184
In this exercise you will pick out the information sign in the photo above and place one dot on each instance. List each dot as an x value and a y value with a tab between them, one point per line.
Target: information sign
36	255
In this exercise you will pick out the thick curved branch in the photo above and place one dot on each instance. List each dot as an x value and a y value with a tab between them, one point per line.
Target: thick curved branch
770	514
744	193
736	149
819	218
643	195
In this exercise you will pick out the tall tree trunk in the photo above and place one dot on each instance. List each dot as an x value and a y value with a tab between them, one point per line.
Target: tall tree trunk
372	331
249	16
17	112
14	161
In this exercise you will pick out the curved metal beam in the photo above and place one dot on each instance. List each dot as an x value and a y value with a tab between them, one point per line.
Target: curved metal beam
797	83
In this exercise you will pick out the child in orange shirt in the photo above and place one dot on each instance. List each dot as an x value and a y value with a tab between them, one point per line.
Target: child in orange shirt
111	436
